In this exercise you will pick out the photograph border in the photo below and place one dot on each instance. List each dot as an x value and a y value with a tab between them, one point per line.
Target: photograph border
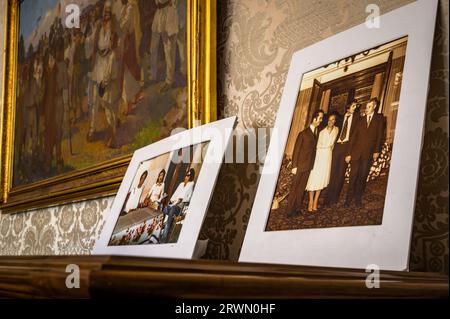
386	245
218	134
104	177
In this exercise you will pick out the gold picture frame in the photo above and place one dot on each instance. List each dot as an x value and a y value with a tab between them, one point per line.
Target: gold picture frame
103	178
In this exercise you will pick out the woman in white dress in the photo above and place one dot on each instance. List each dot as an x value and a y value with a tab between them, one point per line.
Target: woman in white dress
320	174
156	193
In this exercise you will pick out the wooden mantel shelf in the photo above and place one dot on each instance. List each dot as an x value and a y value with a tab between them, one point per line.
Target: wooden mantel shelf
107	276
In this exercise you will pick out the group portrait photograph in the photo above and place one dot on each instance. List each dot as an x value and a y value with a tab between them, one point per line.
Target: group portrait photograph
335	168
158	199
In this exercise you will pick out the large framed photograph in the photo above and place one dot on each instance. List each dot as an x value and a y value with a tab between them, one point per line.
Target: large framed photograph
338	187
165	193
87	82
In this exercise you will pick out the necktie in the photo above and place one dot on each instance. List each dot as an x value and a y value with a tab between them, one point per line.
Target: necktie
369	118
344	129
315	132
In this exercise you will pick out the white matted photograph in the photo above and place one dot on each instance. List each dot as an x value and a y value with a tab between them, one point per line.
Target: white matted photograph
339	182
165	193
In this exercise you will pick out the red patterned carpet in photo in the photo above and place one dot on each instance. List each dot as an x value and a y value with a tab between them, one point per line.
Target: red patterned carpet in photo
371	212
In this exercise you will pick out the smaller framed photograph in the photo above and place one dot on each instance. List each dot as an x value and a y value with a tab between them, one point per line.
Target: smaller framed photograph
339	181
164	196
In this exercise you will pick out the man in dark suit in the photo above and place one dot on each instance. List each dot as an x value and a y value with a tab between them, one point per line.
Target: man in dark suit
338	164
363	149
303	162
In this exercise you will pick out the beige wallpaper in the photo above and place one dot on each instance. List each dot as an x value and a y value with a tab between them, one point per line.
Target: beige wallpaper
256	39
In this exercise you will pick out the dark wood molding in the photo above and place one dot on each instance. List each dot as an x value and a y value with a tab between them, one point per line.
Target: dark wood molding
112	276
360	78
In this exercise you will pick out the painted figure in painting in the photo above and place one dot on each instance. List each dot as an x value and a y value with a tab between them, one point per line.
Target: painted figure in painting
130	37
105	73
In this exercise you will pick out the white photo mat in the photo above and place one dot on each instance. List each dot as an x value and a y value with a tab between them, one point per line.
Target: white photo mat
218	135
386	245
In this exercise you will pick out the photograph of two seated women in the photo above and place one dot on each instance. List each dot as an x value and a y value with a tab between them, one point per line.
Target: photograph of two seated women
336	162
157	202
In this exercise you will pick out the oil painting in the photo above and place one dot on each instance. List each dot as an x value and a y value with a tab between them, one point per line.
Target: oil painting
93	93
91	81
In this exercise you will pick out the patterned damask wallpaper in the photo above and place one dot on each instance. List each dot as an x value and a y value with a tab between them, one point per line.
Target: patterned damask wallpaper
256	39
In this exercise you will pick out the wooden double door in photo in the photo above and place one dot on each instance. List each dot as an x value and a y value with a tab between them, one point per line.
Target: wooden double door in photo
335	95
